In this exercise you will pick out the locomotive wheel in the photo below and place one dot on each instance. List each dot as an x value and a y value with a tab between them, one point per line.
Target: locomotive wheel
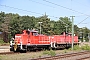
50	48
23	51
68	46
11	49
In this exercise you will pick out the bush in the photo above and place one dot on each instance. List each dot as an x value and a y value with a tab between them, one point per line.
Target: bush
86	47
76	47
51	52
46	52
65	51
1	41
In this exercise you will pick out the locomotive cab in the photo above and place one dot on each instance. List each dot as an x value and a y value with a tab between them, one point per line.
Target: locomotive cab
34	33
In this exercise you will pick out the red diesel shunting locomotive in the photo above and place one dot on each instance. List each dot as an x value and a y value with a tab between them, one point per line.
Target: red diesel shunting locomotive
30	40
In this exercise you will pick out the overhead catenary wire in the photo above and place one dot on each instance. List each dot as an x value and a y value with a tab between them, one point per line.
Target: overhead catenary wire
20	9
42	3
30	12
45	5
54	8
60	6
69	9
26	10
83	20
51	6
85	23
65	7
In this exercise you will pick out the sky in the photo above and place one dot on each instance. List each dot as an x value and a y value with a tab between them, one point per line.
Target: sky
53	8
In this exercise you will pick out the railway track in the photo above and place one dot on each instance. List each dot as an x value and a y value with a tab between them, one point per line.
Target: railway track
69	56
5	53
73	56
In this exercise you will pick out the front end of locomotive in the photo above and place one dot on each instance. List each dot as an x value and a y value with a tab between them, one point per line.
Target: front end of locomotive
15	44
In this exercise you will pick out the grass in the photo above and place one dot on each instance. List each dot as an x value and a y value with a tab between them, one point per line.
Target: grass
45	52
27	56
2	43
65	51
51	52
22	56
85	47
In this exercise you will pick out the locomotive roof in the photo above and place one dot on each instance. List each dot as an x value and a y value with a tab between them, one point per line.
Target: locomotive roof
33	31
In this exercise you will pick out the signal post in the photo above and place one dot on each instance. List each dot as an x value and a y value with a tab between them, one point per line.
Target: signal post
72	31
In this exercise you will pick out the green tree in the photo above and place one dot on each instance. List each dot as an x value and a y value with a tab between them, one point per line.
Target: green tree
76	29
45	25
14	24
2	15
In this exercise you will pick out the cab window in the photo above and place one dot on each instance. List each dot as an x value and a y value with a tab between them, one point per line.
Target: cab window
35	34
